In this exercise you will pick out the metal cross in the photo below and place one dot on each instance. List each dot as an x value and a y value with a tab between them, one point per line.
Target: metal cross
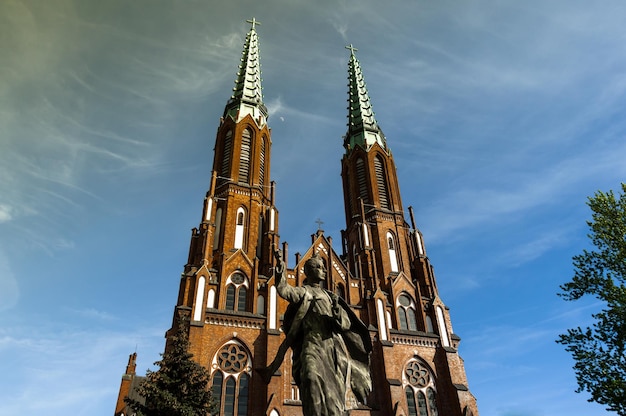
253	22
352	49
319	224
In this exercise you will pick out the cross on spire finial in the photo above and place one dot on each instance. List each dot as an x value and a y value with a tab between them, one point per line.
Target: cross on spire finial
253	22
319	223
352	49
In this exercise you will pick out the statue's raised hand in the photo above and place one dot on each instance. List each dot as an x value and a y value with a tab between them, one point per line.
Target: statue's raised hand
280	264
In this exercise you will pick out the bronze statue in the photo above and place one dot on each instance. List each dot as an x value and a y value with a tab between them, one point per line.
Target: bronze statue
330	345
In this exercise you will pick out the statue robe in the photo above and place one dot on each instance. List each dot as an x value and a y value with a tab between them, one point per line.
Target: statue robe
330	347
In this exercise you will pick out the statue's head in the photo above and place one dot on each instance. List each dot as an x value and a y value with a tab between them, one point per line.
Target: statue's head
315	270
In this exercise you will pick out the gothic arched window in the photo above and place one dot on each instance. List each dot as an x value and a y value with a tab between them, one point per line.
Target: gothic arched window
421	404
362	180
199	303
410	400
237	292
260	305
391	248
406	312
231	375
381	182
244	156
240	227
218	227
429	325
262	162
228	147
241	298
419	387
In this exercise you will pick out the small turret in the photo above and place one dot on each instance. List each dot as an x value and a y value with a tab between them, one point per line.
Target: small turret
132	364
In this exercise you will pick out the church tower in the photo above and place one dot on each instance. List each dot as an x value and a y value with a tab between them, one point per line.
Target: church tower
415	363
227	288
223	288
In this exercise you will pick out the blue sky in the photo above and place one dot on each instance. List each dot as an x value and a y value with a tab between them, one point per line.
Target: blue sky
502	117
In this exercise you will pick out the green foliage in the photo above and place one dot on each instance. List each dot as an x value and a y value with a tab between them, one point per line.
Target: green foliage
179	386
598	351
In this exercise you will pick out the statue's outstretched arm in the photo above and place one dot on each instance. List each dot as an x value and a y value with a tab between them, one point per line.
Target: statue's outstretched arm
292	294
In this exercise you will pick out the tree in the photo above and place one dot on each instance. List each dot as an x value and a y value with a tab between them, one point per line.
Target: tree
179	386
598	351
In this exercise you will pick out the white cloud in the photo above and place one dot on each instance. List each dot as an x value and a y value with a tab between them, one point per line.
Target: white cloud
5	213
471	206
92	313
57	367
90	98
536	247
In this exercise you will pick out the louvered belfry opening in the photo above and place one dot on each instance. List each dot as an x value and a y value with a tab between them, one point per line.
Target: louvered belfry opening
262	163
228	147
244	158
383	195
360	175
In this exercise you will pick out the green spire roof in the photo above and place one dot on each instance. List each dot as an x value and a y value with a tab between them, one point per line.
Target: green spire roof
247	95
362	127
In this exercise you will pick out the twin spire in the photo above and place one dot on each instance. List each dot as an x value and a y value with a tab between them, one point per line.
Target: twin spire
247	97
362	127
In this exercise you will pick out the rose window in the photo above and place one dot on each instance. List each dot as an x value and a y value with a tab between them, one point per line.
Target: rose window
237	278
417	375
232	359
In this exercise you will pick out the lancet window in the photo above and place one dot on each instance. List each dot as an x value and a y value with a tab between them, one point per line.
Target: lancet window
228	147
218	227
237	292
383	195
231	368
362	181
406	312
244	156
240	227
262	163
391	249
419	388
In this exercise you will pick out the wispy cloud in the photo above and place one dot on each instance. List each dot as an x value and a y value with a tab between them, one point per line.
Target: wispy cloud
5	213
277	107
471	206
59	367
92	313
535	247
97	100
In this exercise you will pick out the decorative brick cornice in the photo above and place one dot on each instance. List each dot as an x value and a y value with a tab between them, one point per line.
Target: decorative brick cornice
376	214
238	320
421	339
230	188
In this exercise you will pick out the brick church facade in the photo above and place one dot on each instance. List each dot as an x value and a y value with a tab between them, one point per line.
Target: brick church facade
382	271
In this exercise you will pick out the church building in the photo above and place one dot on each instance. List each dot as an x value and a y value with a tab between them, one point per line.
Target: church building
380	268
